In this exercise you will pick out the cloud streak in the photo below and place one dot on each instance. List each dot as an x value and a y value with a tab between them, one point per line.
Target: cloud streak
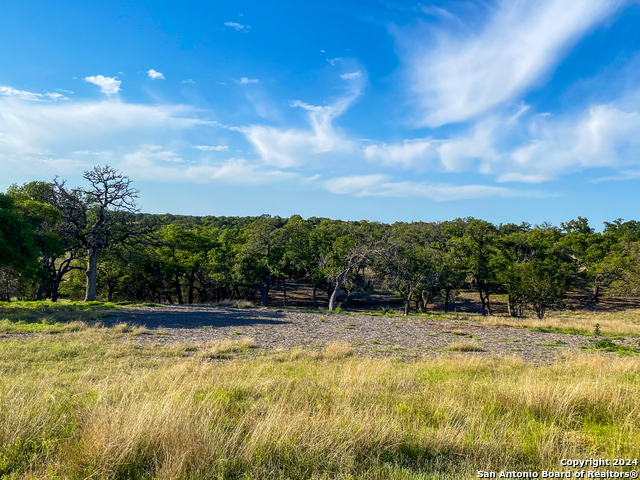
526	147
295	147
108	85
238	26
152	162
382	186
456	76
24	95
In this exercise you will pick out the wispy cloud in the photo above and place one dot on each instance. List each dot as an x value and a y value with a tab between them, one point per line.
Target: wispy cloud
154	75
293	147
623	175
351	76
246	80
438	12
31	130
108	85
188	80
382	186
529	148
151	162
238	26
458	75
210	148
408	154
24	95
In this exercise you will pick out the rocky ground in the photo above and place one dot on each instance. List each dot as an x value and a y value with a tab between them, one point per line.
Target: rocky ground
369	335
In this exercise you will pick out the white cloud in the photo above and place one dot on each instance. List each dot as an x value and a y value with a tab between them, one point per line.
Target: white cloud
623	175
151	162
529	148
350	76
438	12
24	95
410	153
108	85
56	130
357	185
188	80
294	147
246	81
333	61
153	152
153	75
380	186
209	148
462	75
238	26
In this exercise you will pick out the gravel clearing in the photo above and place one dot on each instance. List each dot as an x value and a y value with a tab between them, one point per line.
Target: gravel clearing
376	336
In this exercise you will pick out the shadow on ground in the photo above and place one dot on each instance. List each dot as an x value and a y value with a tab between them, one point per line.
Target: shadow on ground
194	317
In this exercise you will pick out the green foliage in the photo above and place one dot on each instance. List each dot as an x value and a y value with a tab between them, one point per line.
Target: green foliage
17	244
608	345
215	259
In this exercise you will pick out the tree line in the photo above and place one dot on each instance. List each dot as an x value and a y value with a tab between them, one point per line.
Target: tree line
92	241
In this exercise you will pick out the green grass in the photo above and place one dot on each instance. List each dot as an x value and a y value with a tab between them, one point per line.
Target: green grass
608	345
99	407
465	347
566	330
557	343
86	404
59	317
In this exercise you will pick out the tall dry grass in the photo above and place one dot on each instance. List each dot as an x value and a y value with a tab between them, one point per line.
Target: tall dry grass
115	410
611	323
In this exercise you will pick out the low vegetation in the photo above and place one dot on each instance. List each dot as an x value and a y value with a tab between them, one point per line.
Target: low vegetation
86	404
465	347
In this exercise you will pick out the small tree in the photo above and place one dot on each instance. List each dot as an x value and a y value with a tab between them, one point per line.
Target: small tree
352	249
100	216
545	284
260	258
480	244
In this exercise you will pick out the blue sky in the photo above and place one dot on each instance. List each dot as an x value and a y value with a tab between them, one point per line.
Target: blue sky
505	110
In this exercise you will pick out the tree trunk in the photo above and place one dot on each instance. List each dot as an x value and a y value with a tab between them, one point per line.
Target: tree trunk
425	300
179	290
41	288
110	294
334	296
54	290
407	305
596	293
191	287
284	291
315	297
446	299
482	300
264	293
92	274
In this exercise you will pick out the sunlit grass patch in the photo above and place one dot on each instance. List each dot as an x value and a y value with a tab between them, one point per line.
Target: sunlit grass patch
228	348
233	303
555	343
465	347
87	405
338	350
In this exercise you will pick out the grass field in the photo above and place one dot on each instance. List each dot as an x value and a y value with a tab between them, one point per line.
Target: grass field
86	402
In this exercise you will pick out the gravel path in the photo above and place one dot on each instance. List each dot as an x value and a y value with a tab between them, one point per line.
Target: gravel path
369	335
